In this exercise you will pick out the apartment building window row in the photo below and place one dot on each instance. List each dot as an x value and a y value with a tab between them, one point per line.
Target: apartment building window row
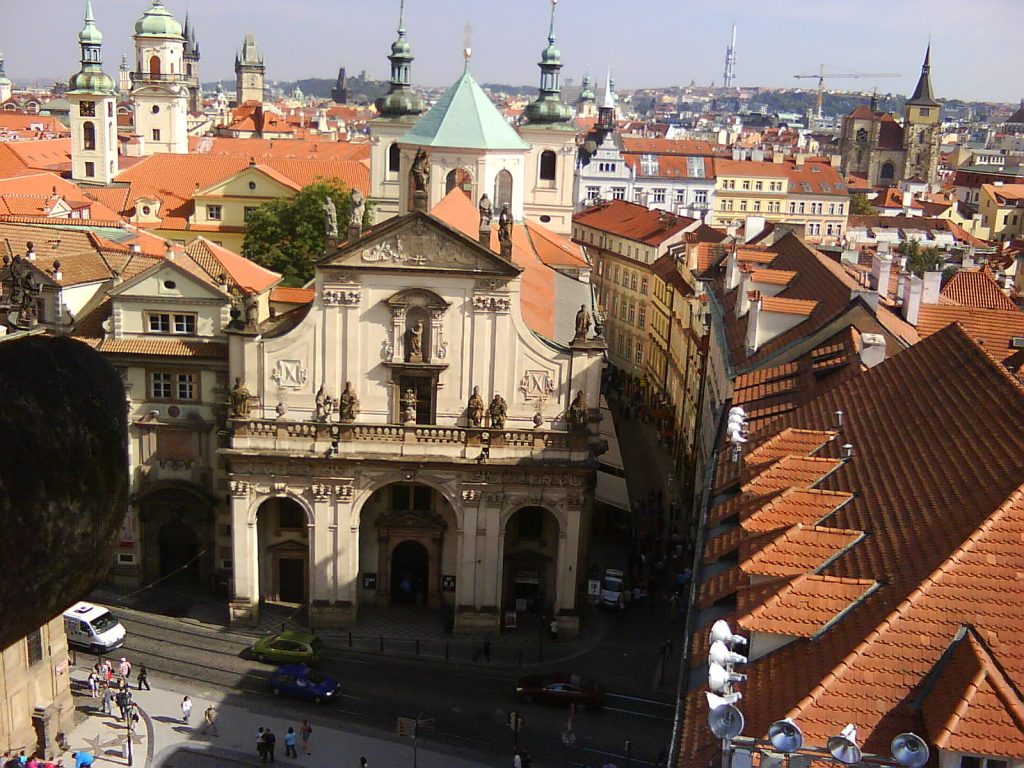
172	386
182	323
641	317
618	193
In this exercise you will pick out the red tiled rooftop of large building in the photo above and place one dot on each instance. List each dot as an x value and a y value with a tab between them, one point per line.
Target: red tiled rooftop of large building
772	276
794	506
640	145
787	306
632	221
993	328
807	605
791	472
800	549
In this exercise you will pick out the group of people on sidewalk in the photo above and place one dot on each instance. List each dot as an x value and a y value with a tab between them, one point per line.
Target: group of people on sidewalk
266	742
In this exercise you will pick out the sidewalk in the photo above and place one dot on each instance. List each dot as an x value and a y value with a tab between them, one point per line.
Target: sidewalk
163	740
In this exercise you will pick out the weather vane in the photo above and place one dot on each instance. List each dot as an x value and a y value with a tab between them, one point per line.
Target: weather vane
467	39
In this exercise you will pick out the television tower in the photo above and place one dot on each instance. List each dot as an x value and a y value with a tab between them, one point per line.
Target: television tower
730	61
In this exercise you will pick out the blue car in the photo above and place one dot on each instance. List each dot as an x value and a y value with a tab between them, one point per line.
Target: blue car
301	682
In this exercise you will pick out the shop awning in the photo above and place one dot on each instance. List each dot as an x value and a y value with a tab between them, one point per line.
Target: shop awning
611	490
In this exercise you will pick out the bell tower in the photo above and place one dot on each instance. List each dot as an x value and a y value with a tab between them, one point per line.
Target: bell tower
550	130
398	110
249	71
159	83
191	57
921	119
93	111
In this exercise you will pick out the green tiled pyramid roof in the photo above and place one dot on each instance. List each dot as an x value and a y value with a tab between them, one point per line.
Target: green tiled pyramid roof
464	118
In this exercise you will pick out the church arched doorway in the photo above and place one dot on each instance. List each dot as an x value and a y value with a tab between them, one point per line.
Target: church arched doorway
179	550
530	561
407	546
282	536
410	571
888	172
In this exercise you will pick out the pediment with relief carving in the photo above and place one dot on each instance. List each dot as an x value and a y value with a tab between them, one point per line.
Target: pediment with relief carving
419	242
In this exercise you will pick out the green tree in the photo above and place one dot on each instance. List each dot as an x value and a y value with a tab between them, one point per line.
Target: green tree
288	235
921	260
859	206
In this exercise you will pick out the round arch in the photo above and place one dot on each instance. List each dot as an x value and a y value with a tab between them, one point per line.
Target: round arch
462	179
176	534
365	494
283	523
888	171
530	550
254	507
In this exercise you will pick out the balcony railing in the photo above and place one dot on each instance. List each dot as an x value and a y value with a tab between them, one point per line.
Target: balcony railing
335	439
147	77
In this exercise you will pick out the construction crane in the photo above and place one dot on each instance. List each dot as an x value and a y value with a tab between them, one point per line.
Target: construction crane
822	74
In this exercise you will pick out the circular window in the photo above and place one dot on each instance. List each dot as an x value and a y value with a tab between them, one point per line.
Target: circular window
156	109
174	411
545	219
252	185
145	210
170	285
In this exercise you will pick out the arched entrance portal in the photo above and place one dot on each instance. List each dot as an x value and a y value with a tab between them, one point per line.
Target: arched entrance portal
410	570
282	530
407	547
531	553
176	536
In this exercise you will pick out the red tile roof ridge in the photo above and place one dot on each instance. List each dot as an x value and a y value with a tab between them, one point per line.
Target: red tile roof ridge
1014	503
842	590
788	306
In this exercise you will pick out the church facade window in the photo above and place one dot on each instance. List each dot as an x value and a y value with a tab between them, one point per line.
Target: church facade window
548	165
88	135
394	159
503	190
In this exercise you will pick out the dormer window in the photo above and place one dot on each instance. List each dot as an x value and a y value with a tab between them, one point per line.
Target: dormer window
971	761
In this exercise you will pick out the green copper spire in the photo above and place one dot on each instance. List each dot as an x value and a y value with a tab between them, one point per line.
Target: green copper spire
91	78
400	99
549	108
587	89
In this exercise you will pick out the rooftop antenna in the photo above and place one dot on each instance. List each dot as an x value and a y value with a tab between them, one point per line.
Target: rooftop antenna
401	17
729	75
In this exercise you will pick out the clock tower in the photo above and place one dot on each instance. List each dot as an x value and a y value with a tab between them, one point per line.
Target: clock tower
93	114
249	70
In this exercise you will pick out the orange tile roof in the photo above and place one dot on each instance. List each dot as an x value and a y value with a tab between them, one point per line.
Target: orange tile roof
149	346
749	254
791	472
286	295
174	178
13	121
789	441
632	221
994	328
801	549
293	149
977	288
669	167
555	250
248	275
794	506
935	428
807	606
821	178
50	184
78	252
788	306
1005	194
772	276
19	157
636	144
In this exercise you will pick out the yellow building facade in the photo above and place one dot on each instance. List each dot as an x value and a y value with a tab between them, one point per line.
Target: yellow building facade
1002	210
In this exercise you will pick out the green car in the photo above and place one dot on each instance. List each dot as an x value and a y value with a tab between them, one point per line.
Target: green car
288	647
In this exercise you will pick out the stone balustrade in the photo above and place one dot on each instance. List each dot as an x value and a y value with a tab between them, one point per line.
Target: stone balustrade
336	439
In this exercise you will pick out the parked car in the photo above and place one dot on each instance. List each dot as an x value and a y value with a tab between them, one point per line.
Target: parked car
301	682
560	689
612	586
288	647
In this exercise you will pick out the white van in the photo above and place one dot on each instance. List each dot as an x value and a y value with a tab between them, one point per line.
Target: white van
93	627
611	589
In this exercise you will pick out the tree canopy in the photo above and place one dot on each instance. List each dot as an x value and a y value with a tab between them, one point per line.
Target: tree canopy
288	235
921	260
859	206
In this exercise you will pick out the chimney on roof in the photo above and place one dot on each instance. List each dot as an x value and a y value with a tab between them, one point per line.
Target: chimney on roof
135	248
968	261
58	275
932	285
870	297
732	270
881	269
778	158
30	251
743	295
752	340
847	451
752	227
912	299
798	159
872	349
169	250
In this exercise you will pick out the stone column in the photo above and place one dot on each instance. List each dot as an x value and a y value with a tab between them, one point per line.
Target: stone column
346	552
244	606
466	553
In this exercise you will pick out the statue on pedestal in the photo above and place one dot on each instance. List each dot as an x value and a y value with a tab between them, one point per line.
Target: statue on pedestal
325	405
475	411
505	226
409	406
330	217
349	403
420	170
582	324
415	350
486	212
239	400
576	416
499	412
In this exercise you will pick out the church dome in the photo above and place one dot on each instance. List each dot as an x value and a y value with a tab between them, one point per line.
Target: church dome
157	21
91	81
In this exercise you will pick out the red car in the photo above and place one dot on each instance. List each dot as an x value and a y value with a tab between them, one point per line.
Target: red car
560	689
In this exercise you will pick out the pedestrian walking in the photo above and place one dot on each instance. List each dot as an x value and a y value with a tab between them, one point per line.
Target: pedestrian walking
305	731
186	709
289	743
517	760
123	699
124	669
363	763
143	677
270	741
210	720
108	701
94	684
261	746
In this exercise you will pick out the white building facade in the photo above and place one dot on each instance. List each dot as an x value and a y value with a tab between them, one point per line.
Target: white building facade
160	83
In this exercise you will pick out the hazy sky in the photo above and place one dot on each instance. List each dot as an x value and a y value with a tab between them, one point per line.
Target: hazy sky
976	50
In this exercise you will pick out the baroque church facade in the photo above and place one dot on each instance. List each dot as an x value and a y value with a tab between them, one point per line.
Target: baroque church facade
411	436
875	146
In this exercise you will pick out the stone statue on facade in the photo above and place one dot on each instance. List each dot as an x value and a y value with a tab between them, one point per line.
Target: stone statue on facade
349	403
239	400
420	170
582	324
576	416
355	219
475	410
505	226
330	217
409	406
325	405
486	212
499	412
415	351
